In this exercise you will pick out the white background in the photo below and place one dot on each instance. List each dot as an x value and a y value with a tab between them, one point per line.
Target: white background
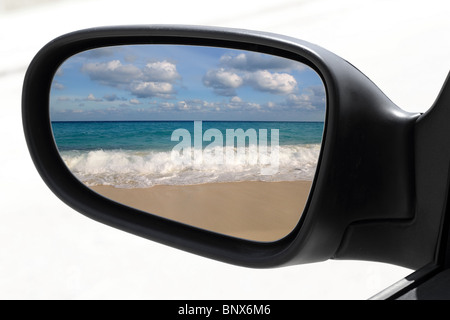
49	251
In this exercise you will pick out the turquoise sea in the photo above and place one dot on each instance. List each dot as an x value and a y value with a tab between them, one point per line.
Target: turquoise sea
132	154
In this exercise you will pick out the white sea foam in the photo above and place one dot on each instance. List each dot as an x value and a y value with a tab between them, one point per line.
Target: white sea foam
138	169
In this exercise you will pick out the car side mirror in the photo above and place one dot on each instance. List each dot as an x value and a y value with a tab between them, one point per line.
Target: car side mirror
246	147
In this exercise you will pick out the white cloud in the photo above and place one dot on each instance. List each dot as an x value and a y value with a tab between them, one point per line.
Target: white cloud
236	99
57	85
151	89
183	105
312	98
302	101
155	79
166	105
112	73
222	81
278	83
253	61
239	104
91	97
252	69
238	61
135	101
161	71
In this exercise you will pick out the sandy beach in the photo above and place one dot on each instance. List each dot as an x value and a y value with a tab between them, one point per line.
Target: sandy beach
260	211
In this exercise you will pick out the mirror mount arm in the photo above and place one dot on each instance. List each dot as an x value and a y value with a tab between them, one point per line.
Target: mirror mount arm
422	239
433	173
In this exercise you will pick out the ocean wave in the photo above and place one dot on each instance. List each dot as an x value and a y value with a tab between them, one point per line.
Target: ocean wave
139	169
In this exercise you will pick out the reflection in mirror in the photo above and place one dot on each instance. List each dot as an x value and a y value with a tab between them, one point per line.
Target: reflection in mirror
221	139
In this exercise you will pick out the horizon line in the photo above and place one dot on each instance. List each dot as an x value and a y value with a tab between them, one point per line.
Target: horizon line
54	121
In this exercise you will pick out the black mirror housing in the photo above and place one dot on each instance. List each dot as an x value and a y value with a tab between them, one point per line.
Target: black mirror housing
371	197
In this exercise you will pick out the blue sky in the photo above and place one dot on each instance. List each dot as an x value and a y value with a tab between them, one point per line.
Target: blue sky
173	82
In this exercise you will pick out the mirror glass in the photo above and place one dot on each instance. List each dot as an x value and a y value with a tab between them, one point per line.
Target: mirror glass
222	139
